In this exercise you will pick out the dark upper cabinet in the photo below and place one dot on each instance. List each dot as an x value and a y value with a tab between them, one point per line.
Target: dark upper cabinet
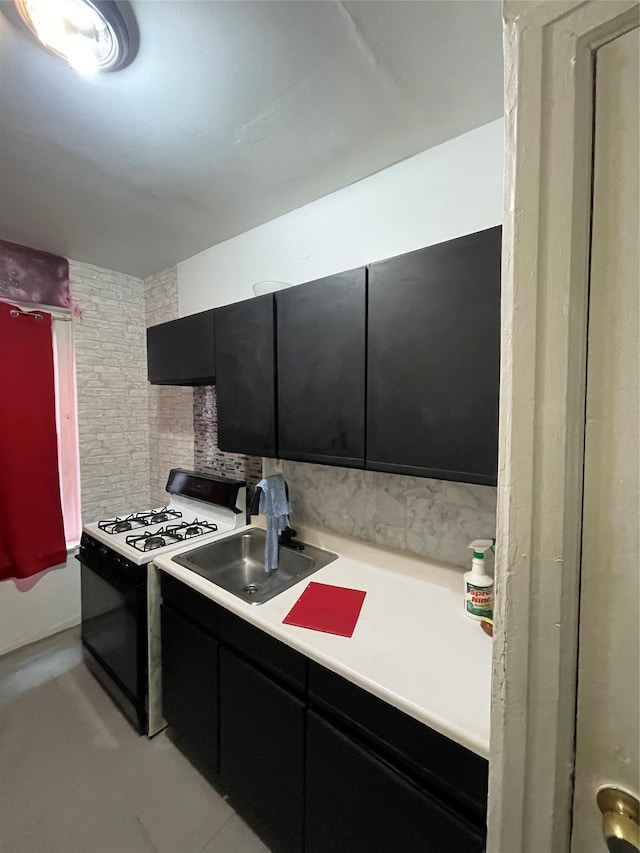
181	352
245	376
433	360
321	370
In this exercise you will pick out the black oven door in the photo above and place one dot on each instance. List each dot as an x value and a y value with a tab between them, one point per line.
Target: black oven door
114	629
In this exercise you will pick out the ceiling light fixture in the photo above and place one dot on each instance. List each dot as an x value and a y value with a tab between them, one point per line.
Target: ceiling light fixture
90	35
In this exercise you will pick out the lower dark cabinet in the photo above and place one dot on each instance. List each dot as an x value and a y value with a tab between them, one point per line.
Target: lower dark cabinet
313	763
190	687
356	803
262	752
277	660
454	775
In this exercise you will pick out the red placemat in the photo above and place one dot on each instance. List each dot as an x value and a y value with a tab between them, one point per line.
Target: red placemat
332	609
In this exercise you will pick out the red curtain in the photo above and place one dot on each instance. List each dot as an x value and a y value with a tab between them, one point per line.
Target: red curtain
31	526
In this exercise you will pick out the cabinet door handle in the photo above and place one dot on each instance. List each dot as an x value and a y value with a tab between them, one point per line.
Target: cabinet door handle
620	815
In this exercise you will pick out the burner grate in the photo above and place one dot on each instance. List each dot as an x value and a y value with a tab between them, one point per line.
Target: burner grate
121	525
158	516
138	519
169	534
190	529
148	541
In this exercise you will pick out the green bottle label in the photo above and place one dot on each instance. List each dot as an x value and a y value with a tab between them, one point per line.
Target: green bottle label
479	600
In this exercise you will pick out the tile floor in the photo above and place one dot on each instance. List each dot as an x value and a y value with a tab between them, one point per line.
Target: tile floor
76	778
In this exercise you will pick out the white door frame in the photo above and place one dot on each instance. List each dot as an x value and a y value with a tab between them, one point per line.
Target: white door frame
549	81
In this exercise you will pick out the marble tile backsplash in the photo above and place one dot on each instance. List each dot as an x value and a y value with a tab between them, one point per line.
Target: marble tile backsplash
432	518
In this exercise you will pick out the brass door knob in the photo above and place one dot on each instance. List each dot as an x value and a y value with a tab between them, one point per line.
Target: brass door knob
620	816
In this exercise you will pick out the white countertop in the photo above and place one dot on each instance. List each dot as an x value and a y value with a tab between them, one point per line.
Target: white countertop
412	646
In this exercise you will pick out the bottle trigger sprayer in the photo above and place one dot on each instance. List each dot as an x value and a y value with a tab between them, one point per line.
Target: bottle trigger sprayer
478	586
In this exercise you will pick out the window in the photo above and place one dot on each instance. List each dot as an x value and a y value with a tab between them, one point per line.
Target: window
67	425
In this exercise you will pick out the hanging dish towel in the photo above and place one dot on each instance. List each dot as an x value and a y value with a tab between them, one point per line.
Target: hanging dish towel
274	504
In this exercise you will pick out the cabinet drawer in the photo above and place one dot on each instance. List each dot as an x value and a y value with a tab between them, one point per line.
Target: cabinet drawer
453	772
274	657
356	803
195	606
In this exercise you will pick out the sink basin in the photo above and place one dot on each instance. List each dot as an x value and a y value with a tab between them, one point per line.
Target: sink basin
237	565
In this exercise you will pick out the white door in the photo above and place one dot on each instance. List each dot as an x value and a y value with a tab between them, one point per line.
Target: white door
608	719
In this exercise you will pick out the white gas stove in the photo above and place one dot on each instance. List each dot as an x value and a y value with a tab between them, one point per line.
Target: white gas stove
220	506
121	590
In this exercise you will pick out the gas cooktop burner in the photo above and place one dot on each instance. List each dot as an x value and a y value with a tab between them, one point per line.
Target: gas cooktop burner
192	528
170	534
158	517
150	541
119	525
138	519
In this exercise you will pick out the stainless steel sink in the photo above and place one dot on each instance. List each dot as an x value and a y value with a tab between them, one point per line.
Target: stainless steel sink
237	565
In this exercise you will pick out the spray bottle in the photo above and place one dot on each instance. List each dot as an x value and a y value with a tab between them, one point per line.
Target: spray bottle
478	586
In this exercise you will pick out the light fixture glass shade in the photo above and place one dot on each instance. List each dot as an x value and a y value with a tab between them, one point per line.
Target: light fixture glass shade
80	31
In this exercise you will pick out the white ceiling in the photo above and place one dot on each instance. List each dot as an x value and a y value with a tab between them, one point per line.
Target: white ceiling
231	114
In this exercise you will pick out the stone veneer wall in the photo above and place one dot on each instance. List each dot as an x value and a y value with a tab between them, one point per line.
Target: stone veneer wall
113	419
431	518
170	409
208	456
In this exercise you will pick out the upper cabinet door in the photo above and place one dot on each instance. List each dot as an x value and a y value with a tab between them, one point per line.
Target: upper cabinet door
245	377
181	352
321	370
434	360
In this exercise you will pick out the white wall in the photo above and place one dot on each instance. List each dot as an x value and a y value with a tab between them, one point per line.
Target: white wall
34	608
442	193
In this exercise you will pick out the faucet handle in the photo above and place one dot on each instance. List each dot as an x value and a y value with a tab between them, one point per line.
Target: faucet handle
286	539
